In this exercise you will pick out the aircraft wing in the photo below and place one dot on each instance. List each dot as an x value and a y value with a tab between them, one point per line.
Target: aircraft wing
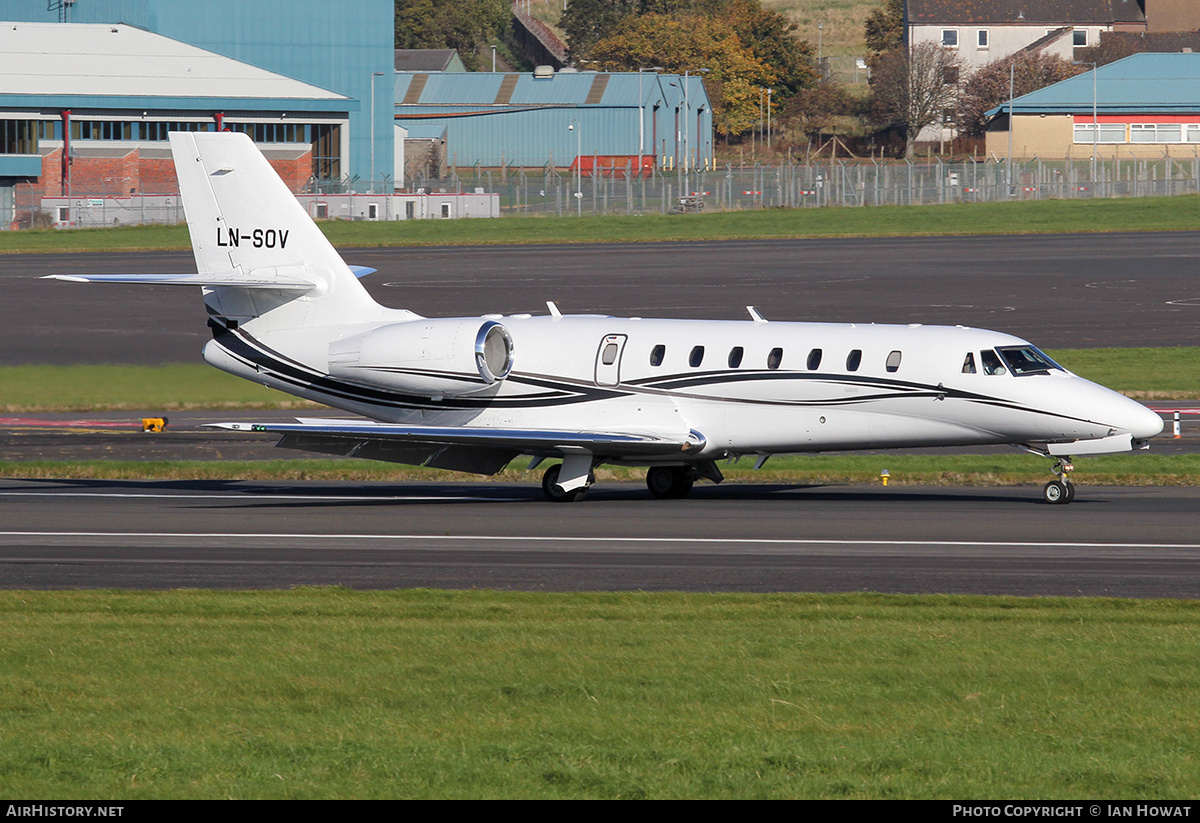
482	450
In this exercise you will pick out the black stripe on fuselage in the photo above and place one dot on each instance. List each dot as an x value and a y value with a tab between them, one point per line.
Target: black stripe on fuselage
565	392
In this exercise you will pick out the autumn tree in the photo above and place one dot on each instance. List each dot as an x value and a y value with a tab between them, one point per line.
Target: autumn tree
465	25
884	28
988	87
913	90
734	76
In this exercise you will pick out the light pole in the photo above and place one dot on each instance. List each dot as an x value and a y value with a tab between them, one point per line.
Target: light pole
642	114
1095	120
574	126
687	114
373	76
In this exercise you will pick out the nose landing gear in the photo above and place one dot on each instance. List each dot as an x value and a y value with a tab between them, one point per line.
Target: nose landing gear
1062	490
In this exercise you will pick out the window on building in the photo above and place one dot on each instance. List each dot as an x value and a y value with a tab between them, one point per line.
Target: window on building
326	151
18	137
1103	133
950	38
981	38
1079	37
101	130
159	131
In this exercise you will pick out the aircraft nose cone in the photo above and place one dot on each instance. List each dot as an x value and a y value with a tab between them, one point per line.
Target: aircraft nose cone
1144	423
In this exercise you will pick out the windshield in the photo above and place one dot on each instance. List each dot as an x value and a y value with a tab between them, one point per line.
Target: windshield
1027	360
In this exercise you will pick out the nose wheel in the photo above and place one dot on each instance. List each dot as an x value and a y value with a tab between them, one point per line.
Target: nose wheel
1062	490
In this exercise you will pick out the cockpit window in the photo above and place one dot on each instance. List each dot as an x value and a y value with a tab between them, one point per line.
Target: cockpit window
969	363
1027	360
991	362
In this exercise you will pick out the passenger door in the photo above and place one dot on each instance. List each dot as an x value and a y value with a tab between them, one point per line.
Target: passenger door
608	360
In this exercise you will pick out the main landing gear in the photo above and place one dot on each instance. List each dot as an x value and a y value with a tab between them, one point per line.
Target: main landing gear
670	481
1061	490
664	482
555	493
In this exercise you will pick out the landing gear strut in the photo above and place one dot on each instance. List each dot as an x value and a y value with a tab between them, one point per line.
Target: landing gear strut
555	492
1062	490
670	481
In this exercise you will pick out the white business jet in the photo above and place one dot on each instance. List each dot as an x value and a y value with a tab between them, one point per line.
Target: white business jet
473	393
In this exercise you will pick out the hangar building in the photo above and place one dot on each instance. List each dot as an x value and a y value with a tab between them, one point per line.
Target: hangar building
559	119
92	87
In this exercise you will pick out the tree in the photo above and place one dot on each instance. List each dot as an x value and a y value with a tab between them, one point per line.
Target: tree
884	28
988	87
465	25
813	111
914	90
735	74
587	22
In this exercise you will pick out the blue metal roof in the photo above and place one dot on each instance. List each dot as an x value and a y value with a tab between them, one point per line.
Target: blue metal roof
442	90
1142	83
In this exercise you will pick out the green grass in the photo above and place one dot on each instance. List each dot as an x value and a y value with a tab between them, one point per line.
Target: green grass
1138	469
1046	216
166	388
329	693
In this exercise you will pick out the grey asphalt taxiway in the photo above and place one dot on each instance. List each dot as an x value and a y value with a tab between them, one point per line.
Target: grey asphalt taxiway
1129	542
1058	291
1075	291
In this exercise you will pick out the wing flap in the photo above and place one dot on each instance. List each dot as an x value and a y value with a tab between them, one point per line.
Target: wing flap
483	450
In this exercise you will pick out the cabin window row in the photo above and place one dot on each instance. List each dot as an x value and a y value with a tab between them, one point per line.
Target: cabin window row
774	358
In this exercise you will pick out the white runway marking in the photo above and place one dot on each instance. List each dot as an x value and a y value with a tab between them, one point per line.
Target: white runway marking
718	541
234	495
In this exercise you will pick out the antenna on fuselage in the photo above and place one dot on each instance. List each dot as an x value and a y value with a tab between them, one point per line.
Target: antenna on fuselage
755	316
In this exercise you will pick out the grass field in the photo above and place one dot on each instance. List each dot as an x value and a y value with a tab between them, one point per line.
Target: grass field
1140	469
1045	216
333	693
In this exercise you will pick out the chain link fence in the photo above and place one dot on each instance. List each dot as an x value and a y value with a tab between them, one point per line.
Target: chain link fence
620	190
826	183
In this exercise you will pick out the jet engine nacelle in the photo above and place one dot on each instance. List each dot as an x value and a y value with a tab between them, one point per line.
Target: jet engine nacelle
444	357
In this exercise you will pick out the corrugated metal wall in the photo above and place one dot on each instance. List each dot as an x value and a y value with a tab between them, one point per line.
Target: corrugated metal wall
493	120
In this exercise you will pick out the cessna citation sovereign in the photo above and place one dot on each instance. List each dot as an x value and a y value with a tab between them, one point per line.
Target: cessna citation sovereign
473	393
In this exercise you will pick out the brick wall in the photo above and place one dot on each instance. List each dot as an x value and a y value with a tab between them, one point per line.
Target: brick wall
116	176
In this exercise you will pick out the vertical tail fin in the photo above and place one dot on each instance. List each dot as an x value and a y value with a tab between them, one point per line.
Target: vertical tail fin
246	224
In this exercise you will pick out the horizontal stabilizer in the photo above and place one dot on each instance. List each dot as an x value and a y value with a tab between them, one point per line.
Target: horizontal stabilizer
241	281
362	271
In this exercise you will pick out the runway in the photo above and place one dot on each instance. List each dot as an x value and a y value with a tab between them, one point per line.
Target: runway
1072	291
1059	291
1125	542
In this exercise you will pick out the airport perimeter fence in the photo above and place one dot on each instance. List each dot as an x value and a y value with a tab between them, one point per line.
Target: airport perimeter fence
848	183
619	190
